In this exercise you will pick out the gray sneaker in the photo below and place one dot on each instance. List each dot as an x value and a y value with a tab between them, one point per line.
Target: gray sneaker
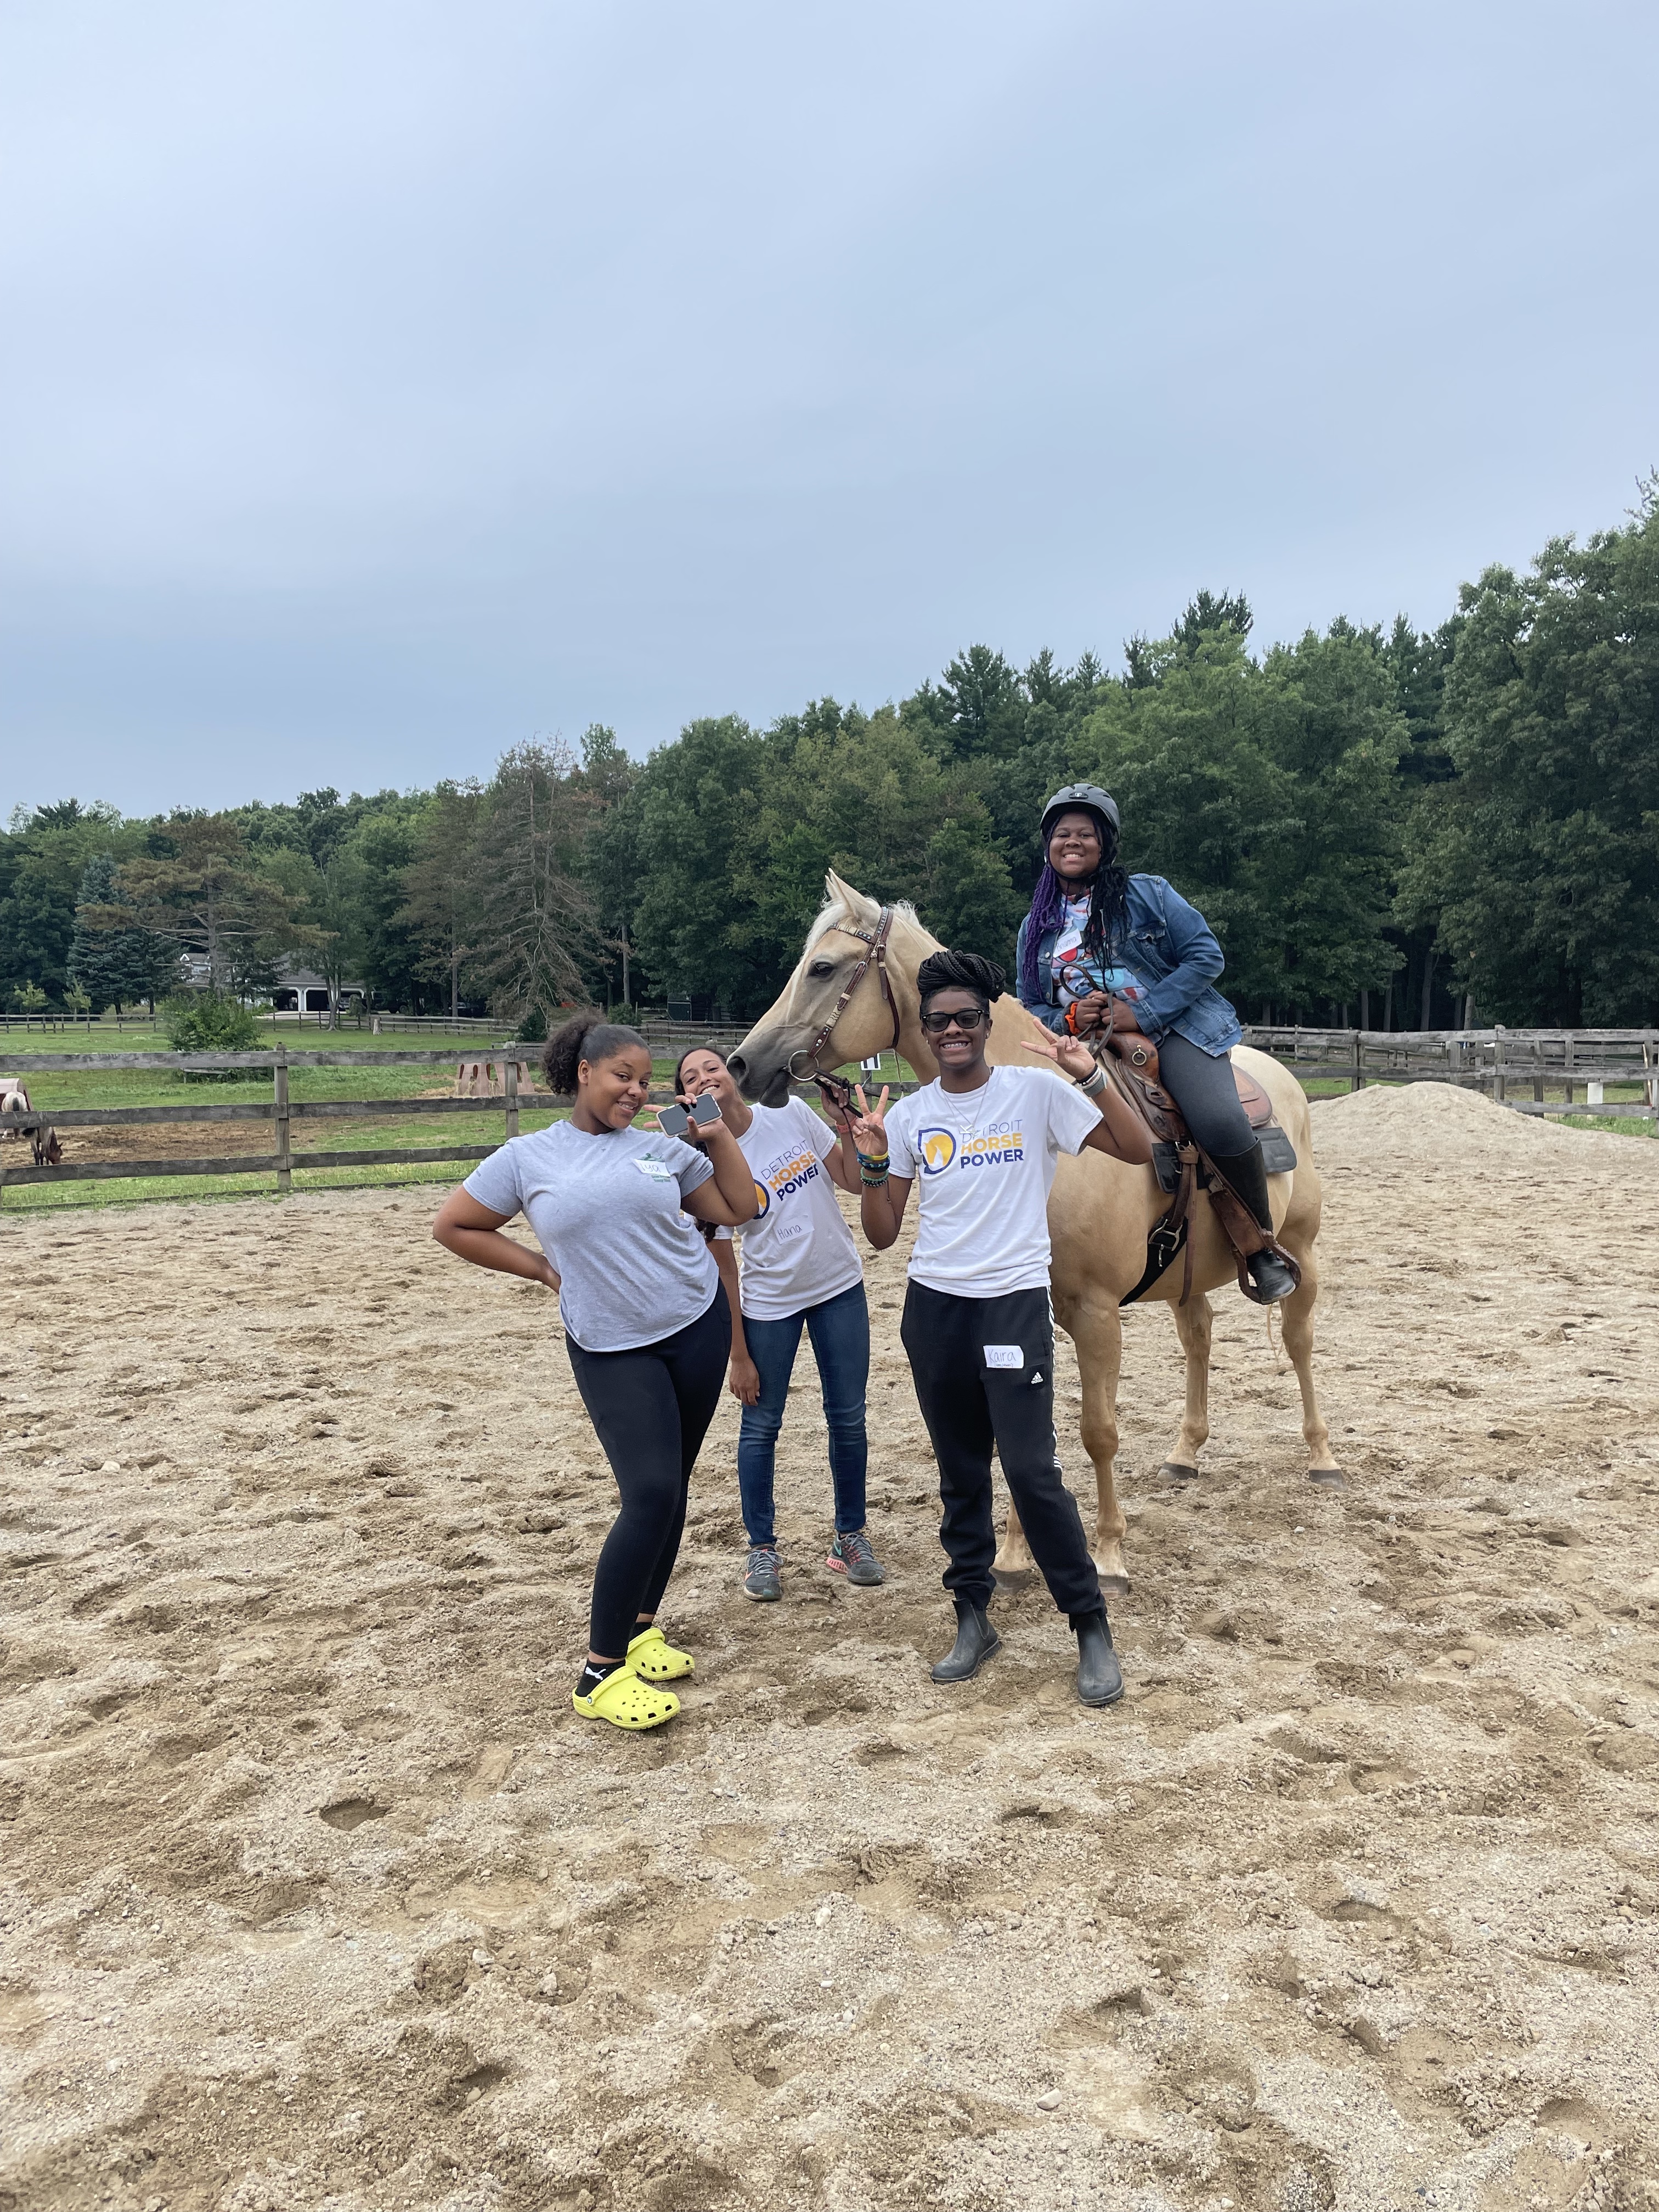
854	1557
762	1582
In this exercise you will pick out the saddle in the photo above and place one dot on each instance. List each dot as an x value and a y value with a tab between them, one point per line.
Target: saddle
1183	1168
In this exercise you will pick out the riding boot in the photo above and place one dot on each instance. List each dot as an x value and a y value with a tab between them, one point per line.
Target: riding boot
1099	1677
1246	1177
976	1642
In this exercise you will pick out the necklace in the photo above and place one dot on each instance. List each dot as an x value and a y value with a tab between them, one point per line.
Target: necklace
971	1130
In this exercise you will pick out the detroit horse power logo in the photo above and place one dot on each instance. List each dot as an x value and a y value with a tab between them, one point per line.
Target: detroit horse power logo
938	1148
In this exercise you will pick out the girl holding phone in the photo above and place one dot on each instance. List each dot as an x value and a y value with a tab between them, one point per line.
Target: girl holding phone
801	1270
644	1319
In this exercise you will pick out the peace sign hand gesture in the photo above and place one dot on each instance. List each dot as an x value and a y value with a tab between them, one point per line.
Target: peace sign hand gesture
1076	1060
868	1130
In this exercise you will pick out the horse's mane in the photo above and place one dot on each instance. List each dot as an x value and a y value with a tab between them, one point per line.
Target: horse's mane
833	912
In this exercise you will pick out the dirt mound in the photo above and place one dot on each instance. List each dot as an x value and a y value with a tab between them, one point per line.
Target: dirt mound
1438	1121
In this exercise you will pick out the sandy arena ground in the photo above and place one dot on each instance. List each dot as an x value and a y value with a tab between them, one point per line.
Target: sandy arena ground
315	1893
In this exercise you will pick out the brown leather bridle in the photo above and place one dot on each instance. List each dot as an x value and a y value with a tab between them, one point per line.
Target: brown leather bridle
877	941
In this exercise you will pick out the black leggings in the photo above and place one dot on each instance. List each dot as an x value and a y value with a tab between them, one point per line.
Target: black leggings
1201	1084
650	1408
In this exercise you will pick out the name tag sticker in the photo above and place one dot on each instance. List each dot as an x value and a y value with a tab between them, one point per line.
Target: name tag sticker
658	1170
1004	1355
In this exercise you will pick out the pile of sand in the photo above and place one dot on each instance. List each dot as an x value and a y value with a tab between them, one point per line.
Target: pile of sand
1424	1121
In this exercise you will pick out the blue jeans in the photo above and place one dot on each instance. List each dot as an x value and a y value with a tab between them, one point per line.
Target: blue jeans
840	1330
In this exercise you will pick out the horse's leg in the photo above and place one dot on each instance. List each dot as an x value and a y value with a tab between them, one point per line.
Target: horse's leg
1192	1323
1095	1327
1013	1565
1295	1313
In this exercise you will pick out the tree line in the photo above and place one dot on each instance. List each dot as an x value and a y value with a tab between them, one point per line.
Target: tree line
1386	826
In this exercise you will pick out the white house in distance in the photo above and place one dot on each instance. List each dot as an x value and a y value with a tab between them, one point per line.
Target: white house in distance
300	992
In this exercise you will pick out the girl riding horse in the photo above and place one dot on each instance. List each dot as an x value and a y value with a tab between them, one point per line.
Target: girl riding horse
1100	948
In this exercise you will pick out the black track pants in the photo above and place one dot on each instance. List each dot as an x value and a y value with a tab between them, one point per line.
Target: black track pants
969	1406
650	1409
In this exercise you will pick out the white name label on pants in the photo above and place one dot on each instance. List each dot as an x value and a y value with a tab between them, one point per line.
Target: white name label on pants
1004	1355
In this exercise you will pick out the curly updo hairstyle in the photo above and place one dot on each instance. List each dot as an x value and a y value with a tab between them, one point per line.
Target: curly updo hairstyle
585	1036
960	971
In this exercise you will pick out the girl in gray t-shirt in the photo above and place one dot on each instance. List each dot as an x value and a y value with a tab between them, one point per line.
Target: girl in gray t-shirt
645	1318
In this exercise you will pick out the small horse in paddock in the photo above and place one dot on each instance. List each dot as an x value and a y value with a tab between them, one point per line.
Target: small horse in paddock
854	994
44	1146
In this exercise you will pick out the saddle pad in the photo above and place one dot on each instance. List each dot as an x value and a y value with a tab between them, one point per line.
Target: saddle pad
1277	1157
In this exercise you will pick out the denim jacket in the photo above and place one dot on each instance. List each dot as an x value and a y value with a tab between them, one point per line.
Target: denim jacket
1173	956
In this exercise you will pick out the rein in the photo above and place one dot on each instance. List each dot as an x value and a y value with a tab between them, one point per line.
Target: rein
877	941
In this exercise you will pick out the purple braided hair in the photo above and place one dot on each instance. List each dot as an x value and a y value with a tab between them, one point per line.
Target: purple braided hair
1047	905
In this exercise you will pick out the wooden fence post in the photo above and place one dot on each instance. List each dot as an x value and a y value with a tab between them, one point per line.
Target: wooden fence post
1356	1080
510	1085
1567	1062
1499	1088
282	1123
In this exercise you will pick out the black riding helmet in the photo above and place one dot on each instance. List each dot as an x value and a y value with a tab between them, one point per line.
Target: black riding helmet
1090	798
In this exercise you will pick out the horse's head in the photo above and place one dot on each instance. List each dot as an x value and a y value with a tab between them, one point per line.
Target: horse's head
802	1030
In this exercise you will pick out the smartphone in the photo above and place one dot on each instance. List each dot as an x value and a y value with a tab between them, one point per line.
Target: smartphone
674	1120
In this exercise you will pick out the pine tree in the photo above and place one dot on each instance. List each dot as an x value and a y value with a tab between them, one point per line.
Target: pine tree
115	967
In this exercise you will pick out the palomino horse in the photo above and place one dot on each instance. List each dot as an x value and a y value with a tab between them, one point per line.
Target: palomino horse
1099	1211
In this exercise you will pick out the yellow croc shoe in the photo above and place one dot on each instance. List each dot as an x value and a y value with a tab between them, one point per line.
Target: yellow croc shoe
627	1702
654	1659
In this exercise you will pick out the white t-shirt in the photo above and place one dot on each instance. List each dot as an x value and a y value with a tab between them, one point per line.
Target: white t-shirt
798	1251
632	1267
982	1162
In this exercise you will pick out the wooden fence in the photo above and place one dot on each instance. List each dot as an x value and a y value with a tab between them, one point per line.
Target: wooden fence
1494	1061
1579	1065
279	1111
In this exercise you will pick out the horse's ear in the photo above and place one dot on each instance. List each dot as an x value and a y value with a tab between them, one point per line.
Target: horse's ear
856	905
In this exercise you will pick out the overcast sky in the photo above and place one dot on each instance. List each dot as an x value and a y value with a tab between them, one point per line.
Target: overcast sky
386	384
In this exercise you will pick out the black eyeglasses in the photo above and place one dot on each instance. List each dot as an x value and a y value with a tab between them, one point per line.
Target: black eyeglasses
969	1018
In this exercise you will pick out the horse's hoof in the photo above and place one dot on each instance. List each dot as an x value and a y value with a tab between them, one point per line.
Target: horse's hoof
1113	1585
1175	1470
1009	1579
1328	1478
